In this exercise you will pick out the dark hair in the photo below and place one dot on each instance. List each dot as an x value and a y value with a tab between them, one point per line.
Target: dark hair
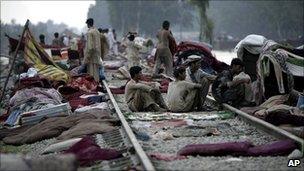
237	61
166	24
131	37
90	21
100	30
134	70
178	70
56	35
41	36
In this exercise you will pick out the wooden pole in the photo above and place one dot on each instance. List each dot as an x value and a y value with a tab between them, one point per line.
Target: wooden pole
14	59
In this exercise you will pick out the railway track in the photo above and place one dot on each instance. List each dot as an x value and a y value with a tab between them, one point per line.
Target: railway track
237	128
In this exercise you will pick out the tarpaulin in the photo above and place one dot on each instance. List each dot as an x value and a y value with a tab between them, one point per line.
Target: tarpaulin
36	56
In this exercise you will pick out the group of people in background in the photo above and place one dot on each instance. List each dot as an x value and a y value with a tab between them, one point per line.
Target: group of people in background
190	85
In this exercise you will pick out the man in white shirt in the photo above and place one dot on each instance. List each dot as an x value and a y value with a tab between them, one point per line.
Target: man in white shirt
195	74
132	52
92	55
183	96
143	96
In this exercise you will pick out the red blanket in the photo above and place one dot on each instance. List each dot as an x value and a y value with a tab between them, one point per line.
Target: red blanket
84	82
87	152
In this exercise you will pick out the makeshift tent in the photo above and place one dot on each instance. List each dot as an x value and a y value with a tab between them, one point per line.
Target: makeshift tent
55	52
36	57
209	63
279	71
249	50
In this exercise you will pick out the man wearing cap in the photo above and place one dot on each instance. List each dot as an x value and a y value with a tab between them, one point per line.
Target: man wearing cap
233	86
163	54
195	74
92	53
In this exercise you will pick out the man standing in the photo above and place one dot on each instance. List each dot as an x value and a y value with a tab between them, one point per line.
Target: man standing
56	41
132	52
104	43
163	54
195	74
183	96
42	39
143	96
92	54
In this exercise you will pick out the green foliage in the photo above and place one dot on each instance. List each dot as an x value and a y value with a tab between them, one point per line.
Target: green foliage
205	23
273	19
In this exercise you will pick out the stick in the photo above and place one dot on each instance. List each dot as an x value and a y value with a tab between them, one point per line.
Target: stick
14	59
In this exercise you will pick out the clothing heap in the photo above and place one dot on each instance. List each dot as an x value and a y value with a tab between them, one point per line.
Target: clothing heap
244	148
275	111
37	96
82	91
209	63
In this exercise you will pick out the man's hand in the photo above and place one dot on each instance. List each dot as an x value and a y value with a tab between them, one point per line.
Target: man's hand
222	85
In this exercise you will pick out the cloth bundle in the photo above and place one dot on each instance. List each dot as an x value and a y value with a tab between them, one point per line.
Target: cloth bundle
87	152
245	148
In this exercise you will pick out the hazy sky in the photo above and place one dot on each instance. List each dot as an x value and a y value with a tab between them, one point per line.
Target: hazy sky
73	13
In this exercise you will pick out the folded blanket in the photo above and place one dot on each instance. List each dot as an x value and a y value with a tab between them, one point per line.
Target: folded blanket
281	147
217	149
277	148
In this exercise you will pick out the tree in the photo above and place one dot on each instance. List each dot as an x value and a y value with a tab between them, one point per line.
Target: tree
144	16
208	33
272	19
202	8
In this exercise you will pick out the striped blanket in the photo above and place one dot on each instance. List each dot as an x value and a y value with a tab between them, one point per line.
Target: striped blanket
35	56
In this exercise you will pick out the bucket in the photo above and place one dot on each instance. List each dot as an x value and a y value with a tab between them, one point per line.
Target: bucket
300	103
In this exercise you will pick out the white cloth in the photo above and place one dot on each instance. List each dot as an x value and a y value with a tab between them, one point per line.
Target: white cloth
132	53
103	106
31	72
66	41
252	43
177	93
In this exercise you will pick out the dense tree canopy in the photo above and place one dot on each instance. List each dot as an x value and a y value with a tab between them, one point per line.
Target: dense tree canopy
143	16
274	19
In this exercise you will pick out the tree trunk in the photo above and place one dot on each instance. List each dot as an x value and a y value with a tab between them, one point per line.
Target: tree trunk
201	26
279	30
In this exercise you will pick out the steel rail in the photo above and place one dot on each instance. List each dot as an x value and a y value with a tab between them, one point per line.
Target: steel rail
147	164
264	126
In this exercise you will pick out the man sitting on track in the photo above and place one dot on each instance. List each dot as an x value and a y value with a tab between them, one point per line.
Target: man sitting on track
195	74
183	96
233	86
143	96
